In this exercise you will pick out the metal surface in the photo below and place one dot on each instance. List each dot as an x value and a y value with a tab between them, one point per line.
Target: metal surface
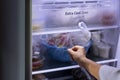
28	57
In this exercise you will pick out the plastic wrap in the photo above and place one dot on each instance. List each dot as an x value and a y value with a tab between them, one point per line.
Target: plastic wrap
56	45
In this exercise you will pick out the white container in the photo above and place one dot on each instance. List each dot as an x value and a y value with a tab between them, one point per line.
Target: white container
96	36
95	49
104	50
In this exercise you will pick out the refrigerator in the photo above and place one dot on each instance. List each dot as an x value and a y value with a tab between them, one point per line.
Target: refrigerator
54	29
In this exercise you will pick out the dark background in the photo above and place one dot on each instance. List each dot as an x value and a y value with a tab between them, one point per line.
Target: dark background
13	28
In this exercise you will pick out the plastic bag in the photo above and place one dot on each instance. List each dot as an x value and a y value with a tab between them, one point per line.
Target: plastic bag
61	53
70	39
57	44
59	40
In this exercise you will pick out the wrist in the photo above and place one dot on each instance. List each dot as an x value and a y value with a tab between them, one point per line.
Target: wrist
82	61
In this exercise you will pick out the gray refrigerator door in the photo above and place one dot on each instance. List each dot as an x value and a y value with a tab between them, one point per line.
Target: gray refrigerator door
13	40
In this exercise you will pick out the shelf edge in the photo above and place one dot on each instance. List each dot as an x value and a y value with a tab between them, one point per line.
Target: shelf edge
73	30
70	67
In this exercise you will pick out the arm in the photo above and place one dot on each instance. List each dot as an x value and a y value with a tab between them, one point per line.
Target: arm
91	67
78	54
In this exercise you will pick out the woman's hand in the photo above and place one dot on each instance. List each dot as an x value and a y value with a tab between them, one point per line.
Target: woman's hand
77	53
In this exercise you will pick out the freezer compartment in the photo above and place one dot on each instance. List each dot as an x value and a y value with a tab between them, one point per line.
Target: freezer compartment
102	46
51	49
56	14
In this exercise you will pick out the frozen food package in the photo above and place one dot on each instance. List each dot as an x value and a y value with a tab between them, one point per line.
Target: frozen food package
108	12
58	39
96	36
37	41
57	44
104	50
101	49
70	39
61	53
95	49
37	61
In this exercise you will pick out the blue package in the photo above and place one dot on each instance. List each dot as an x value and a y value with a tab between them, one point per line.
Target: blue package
61	53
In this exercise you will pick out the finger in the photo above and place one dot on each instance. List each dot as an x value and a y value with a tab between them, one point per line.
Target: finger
70	51
74	48
78	47
71	54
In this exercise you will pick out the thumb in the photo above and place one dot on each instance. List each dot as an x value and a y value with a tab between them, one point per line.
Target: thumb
70	51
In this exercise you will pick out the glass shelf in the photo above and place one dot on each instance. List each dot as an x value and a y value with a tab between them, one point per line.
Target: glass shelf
69	29
51	65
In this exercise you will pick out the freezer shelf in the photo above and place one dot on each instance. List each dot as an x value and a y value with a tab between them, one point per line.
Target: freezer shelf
70	29
51	66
